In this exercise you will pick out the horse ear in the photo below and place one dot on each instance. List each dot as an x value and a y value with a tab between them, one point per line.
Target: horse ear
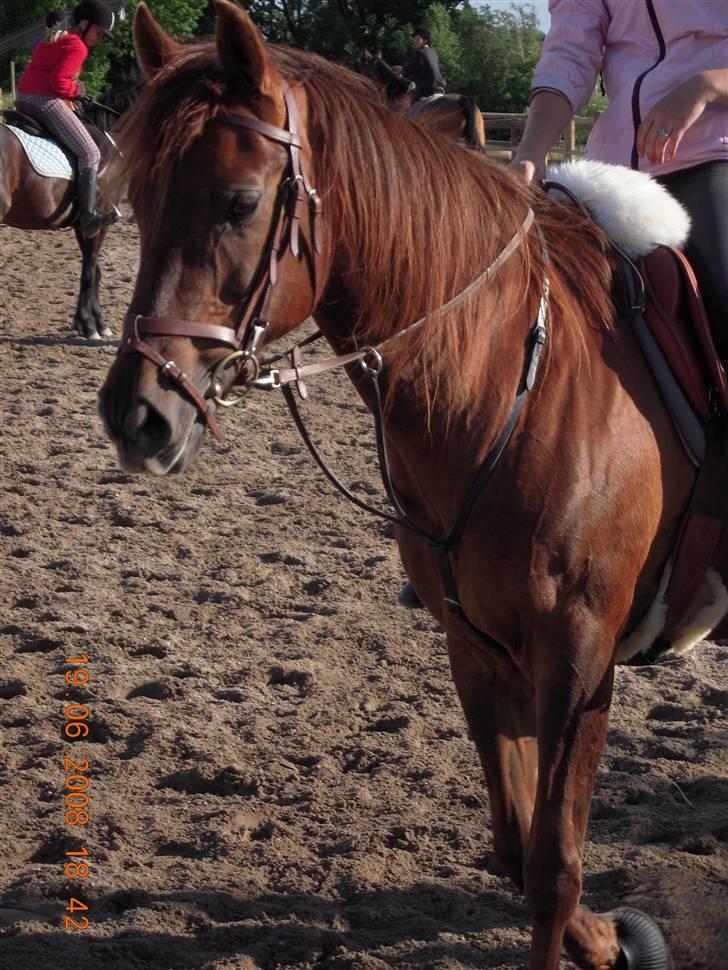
240	46
152	45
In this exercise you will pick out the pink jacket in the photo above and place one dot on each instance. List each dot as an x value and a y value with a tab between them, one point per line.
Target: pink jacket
644	48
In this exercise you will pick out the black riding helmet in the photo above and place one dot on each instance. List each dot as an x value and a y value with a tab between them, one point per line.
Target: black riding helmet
54	18
95	12
424	33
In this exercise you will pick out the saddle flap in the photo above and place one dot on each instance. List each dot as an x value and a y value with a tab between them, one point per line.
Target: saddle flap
30	125
699	317
19	120
676	316
46	156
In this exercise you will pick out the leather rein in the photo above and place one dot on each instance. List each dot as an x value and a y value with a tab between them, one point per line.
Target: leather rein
295	193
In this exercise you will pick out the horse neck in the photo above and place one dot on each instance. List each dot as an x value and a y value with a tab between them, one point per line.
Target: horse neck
420	422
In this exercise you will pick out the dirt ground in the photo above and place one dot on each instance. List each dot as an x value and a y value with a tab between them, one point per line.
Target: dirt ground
280	774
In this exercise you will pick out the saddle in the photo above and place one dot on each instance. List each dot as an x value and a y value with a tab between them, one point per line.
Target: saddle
676	316
671	325
421	103
17	119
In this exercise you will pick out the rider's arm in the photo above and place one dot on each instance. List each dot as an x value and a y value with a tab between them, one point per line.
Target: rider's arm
568	67
71	55
548	114
410	68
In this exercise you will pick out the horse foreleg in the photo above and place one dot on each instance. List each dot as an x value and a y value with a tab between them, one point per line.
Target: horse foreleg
573	694
499	708
88	320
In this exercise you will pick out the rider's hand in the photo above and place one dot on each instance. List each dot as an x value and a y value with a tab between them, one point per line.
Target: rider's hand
661	132
527	170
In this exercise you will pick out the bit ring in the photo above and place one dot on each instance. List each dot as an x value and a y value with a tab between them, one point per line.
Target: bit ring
241	358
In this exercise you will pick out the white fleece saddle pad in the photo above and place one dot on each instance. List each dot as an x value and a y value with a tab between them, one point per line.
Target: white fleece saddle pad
47	157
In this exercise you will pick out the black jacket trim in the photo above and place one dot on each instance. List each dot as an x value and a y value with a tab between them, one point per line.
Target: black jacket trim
636	113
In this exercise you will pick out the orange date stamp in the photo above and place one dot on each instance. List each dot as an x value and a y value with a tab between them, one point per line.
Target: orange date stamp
77	798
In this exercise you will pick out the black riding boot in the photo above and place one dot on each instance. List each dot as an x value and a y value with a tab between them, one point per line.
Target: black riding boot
89	219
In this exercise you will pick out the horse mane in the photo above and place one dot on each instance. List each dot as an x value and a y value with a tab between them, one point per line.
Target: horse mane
420	215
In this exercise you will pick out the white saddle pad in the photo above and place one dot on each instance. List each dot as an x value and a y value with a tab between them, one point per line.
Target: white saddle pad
47	157
635	211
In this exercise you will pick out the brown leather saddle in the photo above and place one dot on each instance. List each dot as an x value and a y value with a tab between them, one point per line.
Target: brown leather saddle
672	328
676	316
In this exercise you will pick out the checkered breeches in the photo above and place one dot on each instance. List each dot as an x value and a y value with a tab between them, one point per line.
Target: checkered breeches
58	118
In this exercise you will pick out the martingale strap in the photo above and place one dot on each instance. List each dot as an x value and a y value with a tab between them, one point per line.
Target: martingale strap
443	547
278	377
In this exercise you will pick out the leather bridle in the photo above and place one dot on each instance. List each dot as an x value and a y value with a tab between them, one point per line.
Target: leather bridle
295	194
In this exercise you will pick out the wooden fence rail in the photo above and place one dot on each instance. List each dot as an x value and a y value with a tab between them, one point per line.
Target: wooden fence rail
497	121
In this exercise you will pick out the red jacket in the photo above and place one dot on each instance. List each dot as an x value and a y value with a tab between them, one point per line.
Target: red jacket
53	68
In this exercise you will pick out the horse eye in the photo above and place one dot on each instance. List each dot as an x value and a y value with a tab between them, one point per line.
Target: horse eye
241	207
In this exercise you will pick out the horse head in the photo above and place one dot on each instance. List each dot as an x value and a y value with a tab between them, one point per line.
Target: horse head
397	89
227	214
221	157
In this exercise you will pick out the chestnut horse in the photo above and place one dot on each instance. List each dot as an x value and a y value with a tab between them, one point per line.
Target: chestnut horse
546	531
456	116
32	201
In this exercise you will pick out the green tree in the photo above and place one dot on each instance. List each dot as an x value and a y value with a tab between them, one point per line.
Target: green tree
490	55
447	43
500	50
16	14
341	29
113	62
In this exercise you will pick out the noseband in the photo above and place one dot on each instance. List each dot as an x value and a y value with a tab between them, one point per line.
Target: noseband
295	193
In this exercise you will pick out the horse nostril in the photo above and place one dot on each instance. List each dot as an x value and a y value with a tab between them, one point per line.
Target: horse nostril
136	418
146	426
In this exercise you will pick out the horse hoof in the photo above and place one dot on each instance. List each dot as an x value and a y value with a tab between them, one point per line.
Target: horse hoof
83	332
105	332
641	944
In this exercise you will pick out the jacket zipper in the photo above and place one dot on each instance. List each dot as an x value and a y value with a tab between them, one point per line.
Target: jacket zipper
636	113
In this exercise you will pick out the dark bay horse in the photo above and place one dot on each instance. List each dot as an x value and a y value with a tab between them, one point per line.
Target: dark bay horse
456	116
32	201
307	201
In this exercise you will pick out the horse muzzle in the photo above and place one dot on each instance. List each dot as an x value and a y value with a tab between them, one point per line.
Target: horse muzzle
151	437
